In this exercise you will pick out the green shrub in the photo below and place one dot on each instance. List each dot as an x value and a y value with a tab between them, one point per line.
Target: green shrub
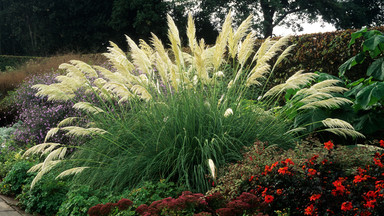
148	192
7	61
16	178
46	197
81	197
367	93
232	178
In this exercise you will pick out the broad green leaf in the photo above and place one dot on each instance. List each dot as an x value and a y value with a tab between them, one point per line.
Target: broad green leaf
355	83
356	35
376	69
357	59
372	43
364	96
369	95
368	123
354	90
325	76
378	91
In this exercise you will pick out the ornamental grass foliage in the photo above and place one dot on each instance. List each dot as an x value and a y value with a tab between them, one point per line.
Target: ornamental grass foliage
164	114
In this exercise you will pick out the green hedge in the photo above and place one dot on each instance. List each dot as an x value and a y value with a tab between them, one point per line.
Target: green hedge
323	52
13	61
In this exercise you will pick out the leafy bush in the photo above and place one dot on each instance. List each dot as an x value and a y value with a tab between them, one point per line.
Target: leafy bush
330	181
6	132
367	93
36	113
45	197
81	197
148	192
10	154
16	178
13	61
323	52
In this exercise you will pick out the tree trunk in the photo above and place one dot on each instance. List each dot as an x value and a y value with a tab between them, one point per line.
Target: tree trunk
268	13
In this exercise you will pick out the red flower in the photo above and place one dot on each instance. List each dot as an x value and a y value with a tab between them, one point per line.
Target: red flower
250	179
106	209
283	170
382	143
95	210
268	198
124	204
264	192
371	194
311	172
328	145
279	191
287	161
315	197
142	209
340	189
378	163
365	213
346	206
370	204
225	211
324	161
360	178
267	170
309	210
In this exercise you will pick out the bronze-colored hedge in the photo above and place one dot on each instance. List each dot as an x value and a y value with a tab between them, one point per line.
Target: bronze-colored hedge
324	52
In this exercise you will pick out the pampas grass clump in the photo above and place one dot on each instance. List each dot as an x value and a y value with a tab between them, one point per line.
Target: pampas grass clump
174	118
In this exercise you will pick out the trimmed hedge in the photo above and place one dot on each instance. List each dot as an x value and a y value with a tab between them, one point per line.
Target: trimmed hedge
323	52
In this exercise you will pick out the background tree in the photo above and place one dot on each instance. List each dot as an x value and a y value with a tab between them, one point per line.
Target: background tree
271	13
43	27
138	18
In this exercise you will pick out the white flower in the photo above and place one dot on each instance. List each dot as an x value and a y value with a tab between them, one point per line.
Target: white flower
228	112
219	74
212	168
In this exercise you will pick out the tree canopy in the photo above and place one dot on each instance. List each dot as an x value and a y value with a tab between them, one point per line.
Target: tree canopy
271	13
42	27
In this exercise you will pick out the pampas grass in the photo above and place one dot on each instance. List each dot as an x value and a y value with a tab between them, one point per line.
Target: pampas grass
162	117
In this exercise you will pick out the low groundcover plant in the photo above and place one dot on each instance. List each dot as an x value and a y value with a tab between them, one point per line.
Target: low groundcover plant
176	118
324	185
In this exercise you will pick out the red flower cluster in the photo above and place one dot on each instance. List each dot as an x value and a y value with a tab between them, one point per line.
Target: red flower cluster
310	210
340	189
314	197
323	190
346	206
106	209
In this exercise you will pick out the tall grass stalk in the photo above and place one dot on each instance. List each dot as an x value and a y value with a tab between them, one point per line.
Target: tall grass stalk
163	117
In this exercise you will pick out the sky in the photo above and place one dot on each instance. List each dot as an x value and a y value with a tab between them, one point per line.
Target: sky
308	29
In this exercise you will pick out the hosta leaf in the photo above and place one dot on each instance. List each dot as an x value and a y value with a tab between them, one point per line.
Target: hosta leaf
376	69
